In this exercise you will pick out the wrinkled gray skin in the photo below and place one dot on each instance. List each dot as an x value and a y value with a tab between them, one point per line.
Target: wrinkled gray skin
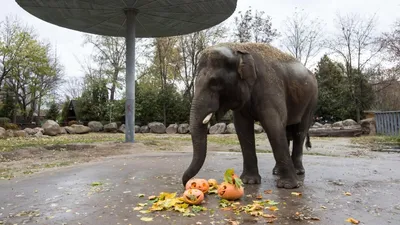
281	94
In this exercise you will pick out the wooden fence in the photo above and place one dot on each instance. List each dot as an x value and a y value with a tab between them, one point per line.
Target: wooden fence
388	123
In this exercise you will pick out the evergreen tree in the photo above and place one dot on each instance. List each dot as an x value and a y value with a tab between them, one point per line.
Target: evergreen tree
53	112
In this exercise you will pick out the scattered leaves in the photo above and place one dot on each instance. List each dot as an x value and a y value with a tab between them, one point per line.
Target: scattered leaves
273	208
352	221
146	219
296	193
347	193
140	195
96	183
268	192
197	209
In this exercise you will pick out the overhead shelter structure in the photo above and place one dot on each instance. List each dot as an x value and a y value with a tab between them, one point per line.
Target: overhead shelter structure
131	19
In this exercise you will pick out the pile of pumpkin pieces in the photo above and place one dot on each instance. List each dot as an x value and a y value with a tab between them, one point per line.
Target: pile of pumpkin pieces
195	189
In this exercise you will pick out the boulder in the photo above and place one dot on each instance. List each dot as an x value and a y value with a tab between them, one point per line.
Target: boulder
10	133
38	134
230	129
20	133
349	122
38	129
172	129
95	126
258	129
218	128
121	129
144	129
63	131
327	126
317	125
69	130
338	124
80	129
368	126
157	127
3	133
30	131
183	128
51	128
137	129
111	127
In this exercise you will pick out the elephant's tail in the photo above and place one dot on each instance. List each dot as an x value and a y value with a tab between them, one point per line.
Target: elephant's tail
308	142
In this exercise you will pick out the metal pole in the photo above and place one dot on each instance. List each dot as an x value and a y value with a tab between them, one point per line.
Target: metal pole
130	76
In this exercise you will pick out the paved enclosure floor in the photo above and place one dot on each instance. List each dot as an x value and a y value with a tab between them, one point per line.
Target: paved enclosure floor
66	196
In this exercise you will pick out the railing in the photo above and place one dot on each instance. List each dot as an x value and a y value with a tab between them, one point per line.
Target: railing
388	123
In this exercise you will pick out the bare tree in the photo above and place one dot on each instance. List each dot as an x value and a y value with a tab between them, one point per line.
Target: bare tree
302	36
190	47
356	44
110	53
72	87
255	28
391	42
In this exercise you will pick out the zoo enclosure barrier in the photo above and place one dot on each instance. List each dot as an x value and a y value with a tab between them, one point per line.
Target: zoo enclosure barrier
388	123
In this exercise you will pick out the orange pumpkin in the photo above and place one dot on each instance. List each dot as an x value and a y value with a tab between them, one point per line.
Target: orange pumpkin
212	183
229	191
193	196
197	183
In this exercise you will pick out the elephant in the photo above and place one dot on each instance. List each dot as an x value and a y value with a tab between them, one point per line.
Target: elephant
258	82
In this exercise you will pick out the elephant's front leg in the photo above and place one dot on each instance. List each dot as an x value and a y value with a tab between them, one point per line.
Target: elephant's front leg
277	137
244	126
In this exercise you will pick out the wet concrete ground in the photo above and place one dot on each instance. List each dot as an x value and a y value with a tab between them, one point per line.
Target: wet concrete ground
65	196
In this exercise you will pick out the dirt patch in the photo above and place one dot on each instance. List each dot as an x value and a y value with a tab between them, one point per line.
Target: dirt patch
36	159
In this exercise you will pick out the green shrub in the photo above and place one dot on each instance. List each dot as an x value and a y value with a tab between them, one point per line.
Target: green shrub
4	120
11	126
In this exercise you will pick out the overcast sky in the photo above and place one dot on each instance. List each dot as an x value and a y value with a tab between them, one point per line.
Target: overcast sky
69	42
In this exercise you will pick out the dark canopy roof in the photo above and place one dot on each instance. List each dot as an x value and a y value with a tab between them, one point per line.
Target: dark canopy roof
155	18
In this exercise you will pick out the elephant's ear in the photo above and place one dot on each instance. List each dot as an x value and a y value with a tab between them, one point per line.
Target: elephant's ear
247	69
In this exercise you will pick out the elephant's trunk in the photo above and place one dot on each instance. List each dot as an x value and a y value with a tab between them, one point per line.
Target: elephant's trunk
198	130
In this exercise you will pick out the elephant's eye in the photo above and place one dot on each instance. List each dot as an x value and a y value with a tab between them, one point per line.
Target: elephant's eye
215	83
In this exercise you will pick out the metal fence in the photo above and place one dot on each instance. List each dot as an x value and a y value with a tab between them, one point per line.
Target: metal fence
388	123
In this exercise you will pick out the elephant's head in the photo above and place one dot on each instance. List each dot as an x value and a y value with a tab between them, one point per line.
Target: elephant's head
224	79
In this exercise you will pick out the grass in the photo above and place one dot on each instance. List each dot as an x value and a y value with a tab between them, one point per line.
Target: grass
378	139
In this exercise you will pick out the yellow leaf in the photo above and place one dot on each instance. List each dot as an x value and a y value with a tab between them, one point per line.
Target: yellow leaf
152	197
144	211
347	193
352	220
138	208
68	210
323	207
268	216
146	219
273	208
296	193
268	192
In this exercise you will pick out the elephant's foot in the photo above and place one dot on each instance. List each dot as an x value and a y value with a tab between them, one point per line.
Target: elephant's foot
298	165
275	170
250	178
288	183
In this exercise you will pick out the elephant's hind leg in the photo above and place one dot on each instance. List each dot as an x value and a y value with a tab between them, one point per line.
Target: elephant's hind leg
244	126
277	137
299	136
275	170
297	154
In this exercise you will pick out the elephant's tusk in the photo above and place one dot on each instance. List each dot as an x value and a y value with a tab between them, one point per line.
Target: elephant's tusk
207	119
